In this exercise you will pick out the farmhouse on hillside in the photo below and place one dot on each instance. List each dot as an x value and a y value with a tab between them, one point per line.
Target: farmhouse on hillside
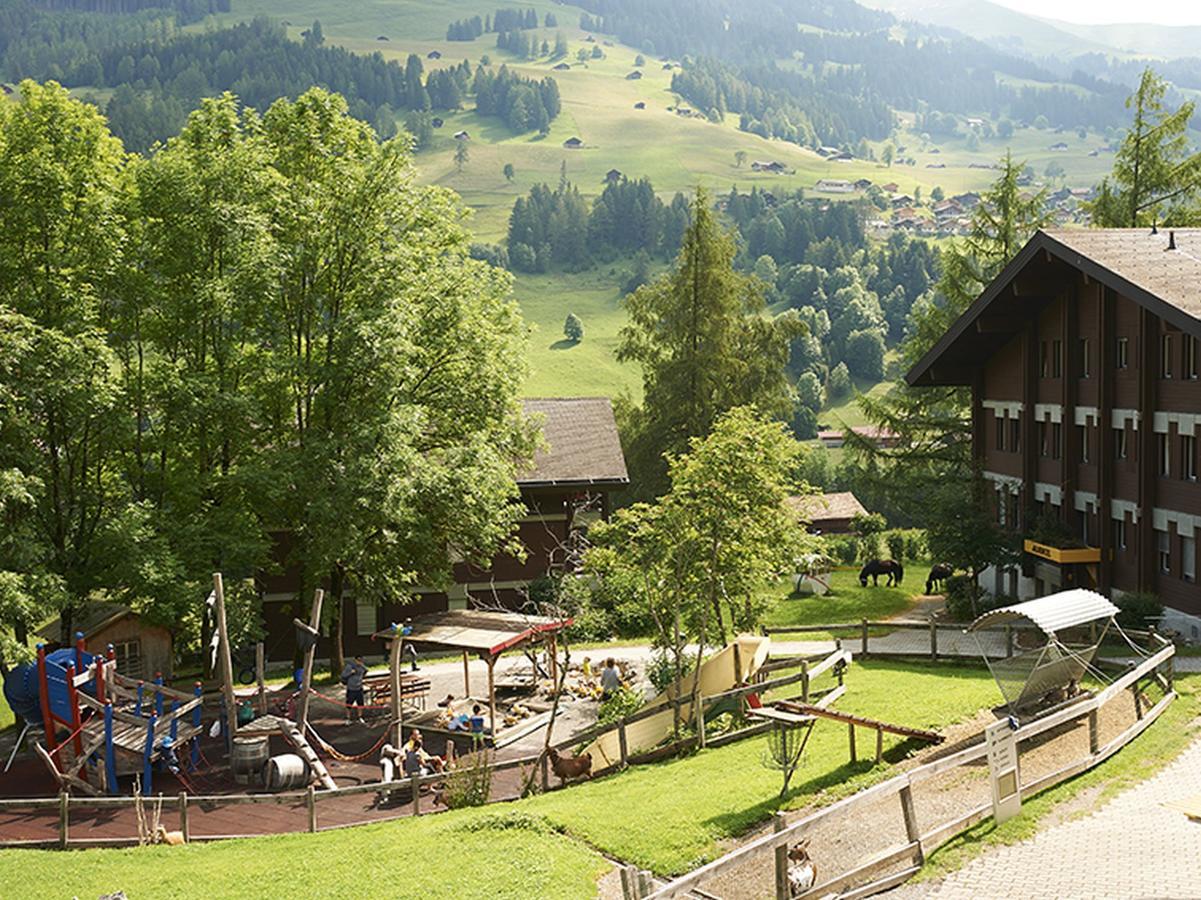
568	486
834	186
1082	357
573	143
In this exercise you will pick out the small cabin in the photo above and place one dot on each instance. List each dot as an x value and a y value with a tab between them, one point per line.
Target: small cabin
573	143
634	76
437	123
461	136
142	650
434	54
612	176
562	67
641	104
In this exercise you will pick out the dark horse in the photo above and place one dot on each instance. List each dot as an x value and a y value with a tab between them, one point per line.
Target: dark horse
878	567
940	573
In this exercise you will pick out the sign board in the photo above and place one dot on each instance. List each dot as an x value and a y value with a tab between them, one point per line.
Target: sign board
1062	555
1001	743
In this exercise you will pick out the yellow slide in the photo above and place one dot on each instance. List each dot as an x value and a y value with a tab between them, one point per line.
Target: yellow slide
726	669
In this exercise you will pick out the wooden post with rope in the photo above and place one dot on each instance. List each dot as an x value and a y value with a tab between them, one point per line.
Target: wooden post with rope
394	677
260	674
225	659
309	657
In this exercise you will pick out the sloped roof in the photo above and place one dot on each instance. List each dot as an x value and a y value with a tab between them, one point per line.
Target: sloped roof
90	619
819	507
1054	612
478	630
1134	262
582	446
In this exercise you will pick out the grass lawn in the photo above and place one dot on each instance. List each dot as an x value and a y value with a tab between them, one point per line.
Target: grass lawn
847	601
473	853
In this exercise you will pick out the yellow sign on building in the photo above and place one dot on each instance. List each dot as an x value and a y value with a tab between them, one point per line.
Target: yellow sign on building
1063	555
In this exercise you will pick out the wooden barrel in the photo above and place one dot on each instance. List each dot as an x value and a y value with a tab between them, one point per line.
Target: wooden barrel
286	772
248	757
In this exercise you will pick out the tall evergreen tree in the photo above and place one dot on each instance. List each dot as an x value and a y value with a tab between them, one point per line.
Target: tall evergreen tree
1156	177
704	345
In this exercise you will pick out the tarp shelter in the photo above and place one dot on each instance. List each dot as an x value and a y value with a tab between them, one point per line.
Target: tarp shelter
485	633
1074	623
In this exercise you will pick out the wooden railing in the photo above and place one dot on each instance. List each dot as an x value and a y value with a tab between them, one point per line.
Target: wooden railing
311	799
918	844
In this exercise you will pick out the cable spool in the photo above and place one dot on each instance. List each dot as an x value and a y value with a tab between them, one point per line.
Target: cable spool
285	772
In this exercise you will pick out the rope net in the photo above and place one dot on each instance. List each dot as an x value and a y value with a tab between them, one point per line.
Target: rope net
1052	668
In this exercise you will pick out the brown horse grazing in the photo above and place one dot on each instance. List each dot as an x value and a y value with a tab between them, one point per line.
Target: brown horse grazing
940	573
877	567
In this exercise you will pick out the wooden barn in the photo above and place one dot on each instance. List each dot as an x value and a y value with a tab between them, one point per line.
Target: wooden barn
828	513
142	649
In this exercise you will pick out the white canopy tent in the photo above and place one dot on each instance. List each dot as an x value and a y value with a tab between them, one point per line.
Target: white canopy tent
1074	623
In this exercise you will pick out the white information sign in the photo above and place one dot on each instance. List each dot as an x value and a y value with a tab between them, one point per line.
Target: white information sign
1001	742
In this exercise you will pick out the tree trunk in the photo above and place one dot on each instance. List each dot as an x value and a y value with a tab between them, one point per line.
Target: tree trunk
337	588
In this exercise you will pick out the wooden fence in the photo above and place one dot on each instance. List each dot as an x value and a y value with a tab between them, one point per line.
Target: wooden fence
862	878
311	799
925	639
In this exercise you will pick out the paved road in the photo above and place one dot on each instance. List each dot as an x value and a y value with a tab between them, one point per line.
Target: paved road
1131	847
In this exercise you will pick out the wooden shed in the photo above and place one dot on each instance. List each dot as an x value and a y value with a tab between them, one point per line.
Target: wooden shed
142	649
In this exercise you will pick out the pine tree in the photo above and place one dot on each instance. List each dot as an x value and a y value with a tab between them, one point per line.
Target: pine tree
1155	178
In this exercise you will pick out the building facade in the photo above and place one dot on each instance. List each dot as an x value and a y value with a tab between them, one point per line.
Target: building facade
1082	357
567	487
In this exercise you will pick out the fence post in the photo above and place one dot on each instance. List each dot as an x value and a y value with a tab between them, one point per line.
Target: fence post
863	651
545	773
804	681
183	816
783	890
417	793
933	641
621	740
64	815
851	733
700	722
912	831
1138	700
311	802
1094	741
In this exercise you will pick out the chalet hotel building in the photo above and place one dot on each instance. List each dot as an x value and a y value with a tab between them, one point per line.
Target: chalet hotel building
1082	358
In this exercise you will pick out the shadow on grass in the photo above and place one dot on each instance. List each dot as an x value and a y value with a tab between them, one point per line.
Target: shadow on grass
564	344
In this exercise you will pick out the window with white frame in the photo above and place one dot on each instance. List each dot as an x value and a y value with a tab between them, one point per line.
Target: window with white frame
128	655
1188	457
1164	452
1188	557
1120	449
1119	534
1122	353
1163	542
1165	356
1082	440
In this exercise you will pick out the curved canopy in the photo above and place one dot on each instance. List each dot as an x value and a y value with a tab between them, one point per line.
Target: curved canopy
1052	613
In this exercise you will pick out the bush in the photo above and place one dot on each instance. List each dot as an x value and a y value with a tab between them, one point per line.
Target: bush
623	702
962	603
1139	610
573	328
839	384
661	671
915	544
470	784
843	548
896	545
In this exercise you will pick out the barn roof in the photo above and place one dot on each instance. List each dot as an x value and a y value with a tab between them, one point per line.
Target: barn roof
1054	612
823	507
582	445
1135	262
91	619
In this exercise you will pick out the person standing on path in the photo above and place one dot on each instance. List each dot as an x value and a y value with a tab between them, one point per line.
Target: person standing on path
352	677
407	649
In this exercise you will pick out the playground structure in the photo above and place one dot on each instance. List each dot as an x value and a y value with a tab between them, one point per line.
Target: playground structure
116	725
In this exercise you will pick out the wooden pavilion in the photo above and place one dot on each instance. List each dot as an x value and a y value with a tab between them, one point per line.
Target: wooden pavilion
485	633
